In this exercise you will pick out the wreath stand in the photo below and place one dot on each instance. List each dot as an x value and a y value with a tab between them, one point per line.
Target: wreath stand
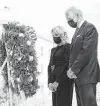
9	90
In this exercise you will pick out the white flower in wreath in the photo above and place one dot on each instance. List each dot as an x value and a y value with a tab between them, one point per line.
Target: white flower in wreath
30	79
21	35
30	58
19	58
28	43
27	68
18	79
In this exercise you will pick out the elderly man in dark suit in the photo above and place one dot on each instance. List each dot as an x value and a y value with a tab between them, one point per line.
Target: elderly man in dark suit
84	67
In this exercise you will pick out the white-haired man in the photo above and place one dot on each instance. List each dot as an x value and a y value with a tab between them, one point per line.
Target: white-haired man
84	67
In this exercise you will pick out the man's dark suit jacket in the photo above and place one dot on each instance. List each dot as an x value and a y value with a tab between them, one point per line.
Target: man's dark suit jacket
60	59
83	56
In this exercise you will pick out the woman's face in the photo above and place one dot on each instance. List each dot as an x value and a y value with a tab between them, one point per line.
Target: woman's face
56	38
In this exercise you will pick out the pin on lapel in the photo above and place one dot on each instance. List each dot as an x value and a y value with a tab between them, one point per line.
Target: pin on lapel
78	36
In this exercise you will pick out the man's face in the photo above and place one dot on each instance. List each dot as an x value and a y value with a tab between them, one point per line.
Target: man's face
71	19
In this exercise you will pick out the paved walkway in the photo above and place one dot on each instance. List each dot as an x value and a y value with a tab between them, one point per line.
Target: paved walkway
45	100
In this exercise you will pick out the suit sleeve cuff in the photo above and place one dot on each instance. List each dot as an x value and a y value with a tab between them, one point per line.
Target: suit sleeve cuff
58	80
76	71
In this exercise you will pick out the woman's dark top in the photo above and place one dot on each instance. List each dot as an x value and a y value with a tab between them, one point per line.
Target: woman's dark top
59	60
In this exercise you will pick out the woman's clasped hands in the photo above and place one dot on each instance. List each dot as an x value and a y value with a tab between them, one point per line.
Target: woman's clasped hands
53	86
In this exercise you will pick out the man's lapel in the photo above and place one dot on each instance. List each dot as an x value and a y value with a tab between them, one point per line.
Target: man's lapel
81	28
77	32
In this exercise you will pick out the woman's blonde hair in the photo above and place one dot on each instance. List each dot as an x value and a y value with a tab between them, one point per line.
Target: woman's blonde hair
59	31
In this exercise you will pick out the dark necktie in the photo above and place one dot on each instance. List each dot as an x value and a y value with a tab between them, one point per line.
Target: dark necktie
77	29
